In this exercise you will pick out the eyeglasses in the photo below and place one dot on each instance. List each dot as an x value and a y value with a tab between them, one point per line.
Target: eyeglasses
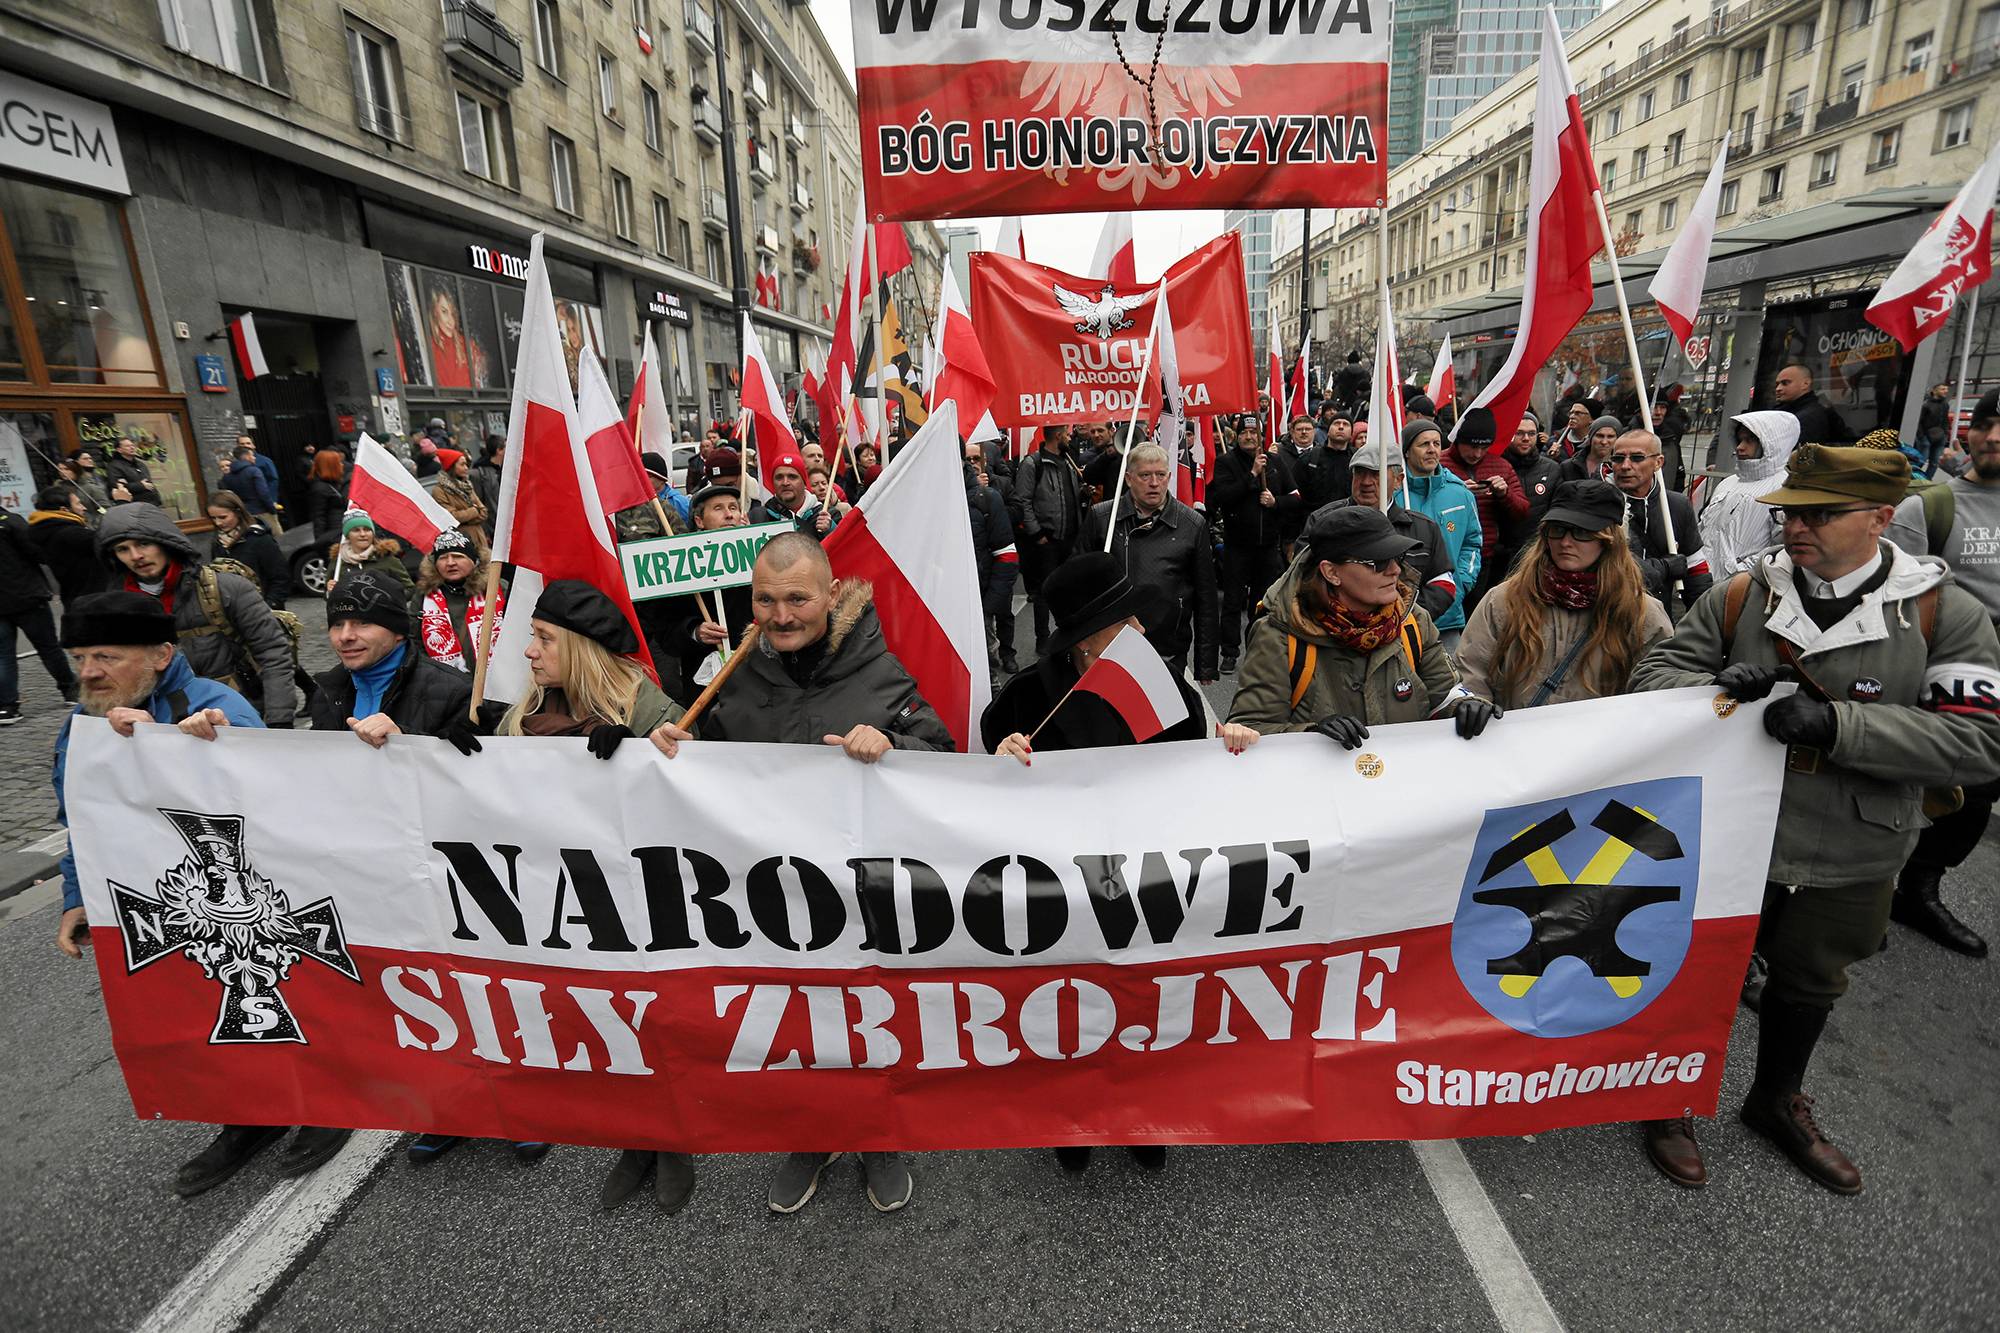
1379	566
1630	458
1818	516
1564	532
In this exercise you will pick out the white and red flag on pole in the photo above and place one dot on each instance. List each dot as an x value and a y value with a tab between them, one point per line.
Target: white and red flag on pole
1013	241
1954	253
249	351
1297	406
1563	237
1116	260
647	416
1676	288
959	373
1171	429
1385	398
1443	385
551	523
764	400
614	458
911	537
1131	678
390	495
1274	388
843	375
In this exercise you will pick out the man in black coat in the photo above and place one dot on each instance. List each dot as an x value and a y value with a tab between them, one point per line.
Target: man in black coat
60	529
24	607
1635	470
1540	475
997	558
384	685
1047	509
1161	544
1252	493
1818	423
693	626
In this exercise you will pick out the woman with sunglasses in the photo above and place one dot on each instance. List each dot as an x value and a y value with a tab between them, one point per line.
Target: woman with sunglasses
1343	645
1573	618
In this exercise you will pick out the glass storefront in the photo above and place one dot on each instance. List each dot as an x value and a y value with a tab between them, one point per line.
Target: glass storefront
1857	369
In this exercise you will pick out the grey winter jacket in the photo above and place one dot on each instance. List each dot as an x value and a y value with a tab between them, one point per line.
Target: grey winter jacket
857	682
250	653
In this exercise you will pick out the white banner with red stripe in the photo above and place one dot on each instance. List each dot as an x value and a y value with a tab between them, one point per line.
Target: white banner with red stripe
758	947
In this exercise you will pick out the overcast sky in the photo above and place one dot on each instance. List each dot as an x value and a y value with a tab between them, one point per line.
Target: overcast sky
1064	241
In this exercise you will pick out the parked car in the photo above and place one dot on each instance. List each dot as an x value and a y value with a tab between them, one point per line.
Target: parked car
311	568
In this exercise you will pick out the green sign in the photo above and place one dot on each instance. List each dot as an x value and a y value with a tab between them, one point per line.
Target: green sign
694	561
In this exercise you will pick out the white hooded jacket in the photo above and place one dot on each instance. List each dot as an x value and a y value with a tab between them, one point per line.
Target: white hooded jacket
1736	526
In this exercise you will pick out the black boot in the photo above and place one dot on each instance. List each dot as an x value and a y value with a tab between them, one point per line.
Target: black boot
1777	1106
627	1175
231	1151
1753	981
311	1148
673	1181
1917	906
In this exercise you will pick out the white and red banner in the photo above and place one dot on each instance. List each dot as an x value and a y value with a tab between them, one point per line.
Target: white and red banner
392	496
1443	939
958	372
971	110
1442	388
607	437
249	349
1131	676
1954	253
1297	406
764	400
1676	287
1074	345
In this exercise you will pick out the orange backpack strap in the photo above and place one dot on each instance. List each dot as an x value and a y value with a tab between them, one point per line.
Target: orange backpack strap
1300	659
1413	643
1733	600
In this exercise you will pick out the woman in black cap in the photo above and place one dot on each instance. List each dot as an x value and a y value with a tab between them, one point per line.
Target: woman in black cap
1090	600
1573	619
1343	643
451	599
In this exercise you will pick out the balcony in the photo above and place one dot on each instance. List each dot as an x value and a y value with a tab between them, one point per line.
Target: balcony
1900	89
805	258
707	120
801	199
1837	113
756	91
795	132
700	26
763	166
1791	129
714	210
767	240
476	40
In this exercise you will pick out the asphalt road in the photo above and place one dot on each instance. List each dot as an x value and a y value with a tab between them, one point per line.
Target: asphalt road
1291	1237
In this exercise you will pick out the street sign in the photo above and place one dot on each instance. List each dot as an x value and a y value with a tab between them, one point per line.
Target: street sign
212	373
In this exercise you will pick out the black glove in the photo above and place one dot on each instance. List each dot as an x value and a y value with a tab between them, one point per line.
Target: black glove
1348	731
1747	682
1677	567
1472	715
1797	719
604	741
462	734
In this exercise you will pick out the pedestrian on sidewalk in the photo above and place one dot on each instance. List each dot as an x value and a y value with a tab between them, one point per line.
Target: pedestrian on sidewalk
24	609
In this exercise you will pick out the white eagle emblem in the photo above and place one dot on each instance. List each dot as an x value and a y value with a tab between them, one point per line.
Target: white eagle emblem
1103	314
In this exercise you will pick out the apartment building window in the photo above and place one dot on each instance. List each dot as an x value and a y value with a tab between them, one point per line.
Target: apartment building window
1645	53
1802	35
1725	202
1746	128
1614	120
649	114
1749	62
217	32
1955	125
607	84
1607	175
1645	112
485	139
1855	13
1795	108
1683	86
1676	148
1771	184
1825	165
548	37
1500	267
562	172
1851	80
1917	54
1484	269
685	236
621	204
1670	213
377	68
1640	157
663	226
1464	279
1884	147
714	259
642	14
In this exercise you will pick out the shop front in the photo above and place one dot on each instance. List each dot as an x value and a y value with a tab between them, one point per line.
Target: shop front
79	360
1858	370
719	362
670	313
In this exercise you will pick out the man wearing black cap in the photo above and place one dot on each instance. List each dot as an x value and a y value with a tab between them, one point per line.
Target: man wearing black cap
1899	680
130	673
383	686
1493	482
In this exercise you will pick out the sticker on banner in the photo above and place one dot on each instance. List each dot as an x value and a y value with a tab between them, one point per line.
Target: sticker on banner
1369	765
1576	914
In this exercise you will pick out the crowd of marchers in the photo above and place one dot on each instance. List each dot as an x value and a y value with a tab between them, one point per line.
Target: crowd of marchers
1344	581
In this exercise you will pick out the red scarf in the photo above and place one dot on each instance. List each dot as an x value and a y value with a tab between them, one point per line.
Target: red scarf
1363	634
1571	592
171	582
440	638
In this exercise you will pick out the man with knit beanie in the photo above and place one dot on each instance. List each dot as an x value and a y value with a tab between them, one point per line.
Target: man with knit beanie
383	686
1494	483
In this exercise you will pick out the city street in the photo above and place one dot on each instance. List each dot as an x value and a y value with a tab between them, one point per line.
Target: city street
1571	1229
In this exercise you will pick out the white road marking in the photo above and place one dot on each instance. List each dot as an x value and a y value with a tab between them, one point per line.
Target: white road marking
221	1291
1518	1301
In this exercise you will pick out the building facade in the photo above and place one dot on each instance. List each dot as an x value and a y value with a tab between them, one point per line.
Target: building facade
1849	124
1255	226
364	179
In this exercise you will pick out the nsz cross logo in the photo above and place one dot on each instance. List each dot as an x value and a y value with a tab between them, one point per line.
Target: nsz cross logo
236	924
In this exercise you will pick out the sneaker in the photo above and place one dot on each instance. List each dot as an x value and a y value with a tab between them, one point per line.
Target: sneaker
1229	666
797	1179
673	1182
230	1152
1073	1159
9	716
427	1148
527	1154
889	1181
311	1148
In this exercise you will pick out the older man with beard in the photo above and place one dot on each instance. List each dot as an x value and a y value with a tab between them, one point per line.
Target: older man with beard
131	674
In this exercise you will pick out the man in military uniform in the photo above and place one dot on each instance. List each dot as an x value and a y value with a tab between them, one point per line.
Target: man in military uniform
1898	675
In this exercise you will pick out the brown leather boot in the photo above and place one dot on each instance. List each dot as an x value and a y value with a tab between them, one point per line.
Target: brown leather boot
1786	1119
1671	1145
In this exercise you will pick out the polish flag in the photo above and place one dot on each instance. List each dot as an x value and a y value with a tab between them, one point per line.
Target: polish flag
387	492
1676	288
1297	407
1443	386
1012	240
1191	482
249	351
1131	678
647	416
892	256
911	537
959	372
551	524
1170	428
765	401
1563	237
1954	253
1116	260
1274	388
621	478
1385	400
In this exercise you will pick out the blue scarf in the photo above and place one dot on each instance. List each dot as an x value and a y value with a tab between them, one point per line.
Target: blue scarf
371	681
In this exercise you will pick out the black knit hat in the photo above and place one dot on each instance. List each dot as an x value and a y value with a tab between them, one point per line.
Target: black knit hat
116	619
367	596
1475	427
454	539
582	609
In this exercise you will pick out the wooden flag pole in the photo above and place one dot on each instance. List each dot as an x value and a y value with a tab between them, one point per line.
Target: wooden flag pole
833	465
707	696
1131	428
1638	373
485	654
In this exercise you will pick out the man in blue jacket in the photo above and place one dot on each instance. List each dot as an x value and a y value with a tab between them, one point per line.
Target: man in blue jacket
131	674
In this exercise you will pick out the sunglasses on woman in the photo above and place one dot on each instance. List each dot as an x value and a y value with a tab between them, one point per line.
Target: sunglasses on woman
1379	566
1563	531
